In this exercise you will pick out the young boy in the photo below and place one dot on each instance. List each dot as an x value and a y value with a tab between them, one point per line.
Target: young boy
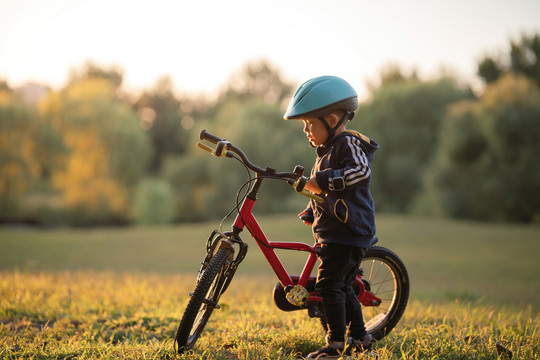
345	223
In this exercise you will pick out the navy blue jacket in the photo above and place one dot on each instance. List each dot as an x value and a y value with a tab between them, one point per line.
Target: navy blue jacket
346	216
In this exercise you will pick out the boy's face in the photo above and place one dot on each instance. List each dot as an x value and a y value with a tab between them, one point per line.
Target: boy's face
315	131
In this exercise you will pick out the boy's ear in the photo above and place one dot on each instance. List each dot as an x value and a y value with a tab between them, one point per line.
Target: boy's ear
332	120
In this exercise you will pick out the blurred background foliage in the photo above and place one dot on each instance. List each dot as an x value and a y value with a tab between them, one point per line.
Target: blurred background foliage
91	154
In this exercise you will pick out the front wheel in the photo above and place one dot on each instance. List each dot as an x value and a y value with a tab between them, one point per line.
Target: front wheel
204	299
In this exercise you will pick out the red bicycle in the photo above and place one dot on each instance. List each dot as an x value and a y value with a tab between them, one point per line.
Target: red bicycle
382	284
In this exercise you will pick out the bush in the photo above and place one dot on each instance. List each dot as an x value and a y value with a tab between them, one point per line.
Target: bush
154	202
487	166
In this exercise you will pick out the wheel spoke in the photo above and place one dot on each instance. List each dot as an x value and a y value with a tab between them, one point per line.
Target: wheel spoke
385	277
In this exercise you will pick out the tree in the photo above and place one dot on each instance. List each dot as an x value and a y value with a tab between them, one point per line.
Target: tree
404	117
160	110
270	141
154	202
487	165
258	80
523	58
206	187
29	151
114	74
188	176
390	74
18	164
4	87
248	114
107	150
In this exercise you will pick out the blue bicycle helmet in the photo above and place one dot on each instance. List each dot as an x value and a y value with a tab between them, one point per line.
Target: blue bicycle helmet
319	95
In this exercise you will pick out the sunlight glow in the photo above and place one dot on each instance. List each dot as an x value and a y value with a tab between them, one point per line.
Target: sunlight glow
200	44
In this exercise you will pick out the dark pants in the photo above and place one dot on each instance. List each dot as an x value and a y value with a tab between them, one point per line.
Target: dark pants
338	269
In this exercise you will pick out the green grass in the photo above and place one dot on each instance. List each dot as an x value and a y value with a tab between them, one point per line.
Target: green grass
118	293
87	315
491	263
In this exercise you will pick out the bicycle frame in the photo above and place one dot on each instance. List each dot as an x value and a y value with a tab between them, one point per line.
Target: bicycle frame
245	218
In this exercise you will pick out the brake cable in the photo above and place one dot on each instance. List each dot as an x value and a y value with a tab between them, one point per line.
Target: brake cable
239	200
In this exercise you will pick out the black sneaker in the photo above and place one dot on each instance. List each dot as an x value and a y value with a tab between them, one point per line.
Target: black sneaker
363	344
332	350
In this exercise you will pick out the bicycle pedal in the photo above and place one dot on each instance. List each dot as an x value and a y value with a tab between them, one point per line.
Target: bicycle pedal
297	295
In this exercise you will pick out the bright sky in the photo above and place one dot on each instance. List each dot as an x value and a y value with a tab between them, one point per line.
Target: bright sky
201	43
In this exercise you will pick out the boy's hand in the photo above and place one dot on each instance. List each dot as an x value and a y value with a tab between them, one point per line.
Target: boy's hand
306	217
312	186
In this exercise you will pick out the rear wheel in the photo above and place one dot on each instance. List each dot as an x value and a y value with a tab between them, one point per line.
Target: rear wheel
385	276
204	299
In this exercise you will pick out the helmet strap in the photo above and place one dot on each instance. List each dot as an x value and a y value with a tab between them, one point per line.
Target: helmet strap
332	131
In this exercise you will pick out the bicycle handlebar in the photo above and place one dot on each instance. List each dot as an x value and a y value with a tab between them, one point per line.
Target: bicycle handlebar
225	148
205	135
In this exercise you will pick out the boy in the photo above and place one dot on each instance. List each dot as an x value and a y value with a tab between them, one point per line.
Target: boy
345	223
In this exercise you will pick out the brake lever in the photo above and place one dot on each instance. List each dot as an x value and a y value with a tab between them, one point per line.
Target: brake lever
205	148
220	150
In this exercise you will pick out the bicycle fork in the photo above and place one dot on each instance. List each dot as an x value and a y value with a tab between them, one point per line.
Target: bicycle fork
218	240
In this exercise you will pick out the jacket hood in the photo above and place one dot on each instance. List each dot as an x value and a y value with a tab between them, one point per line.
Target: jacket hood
370	143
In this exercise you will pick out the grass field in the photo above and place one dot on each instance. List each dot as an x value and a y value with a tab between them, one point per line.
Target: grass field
118	293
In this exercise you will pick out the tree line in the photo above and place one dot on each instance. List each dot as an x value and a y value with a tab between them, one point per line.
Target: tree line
93	154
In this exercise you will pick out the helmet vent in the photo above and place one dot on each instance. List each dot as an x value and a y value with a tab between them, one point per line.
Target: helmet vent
301	97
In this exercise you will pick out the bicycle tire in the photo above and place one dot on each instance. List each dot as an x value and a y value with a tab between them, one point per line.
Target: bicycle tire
204	299
386	277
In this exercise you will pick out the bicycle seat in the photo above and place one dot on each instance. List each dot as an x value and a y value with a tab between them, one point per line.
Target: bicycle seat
373	241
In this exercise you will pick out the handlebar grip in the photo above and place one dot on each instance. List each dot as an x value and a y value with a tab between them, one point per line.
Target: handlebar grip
299	184
205	135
